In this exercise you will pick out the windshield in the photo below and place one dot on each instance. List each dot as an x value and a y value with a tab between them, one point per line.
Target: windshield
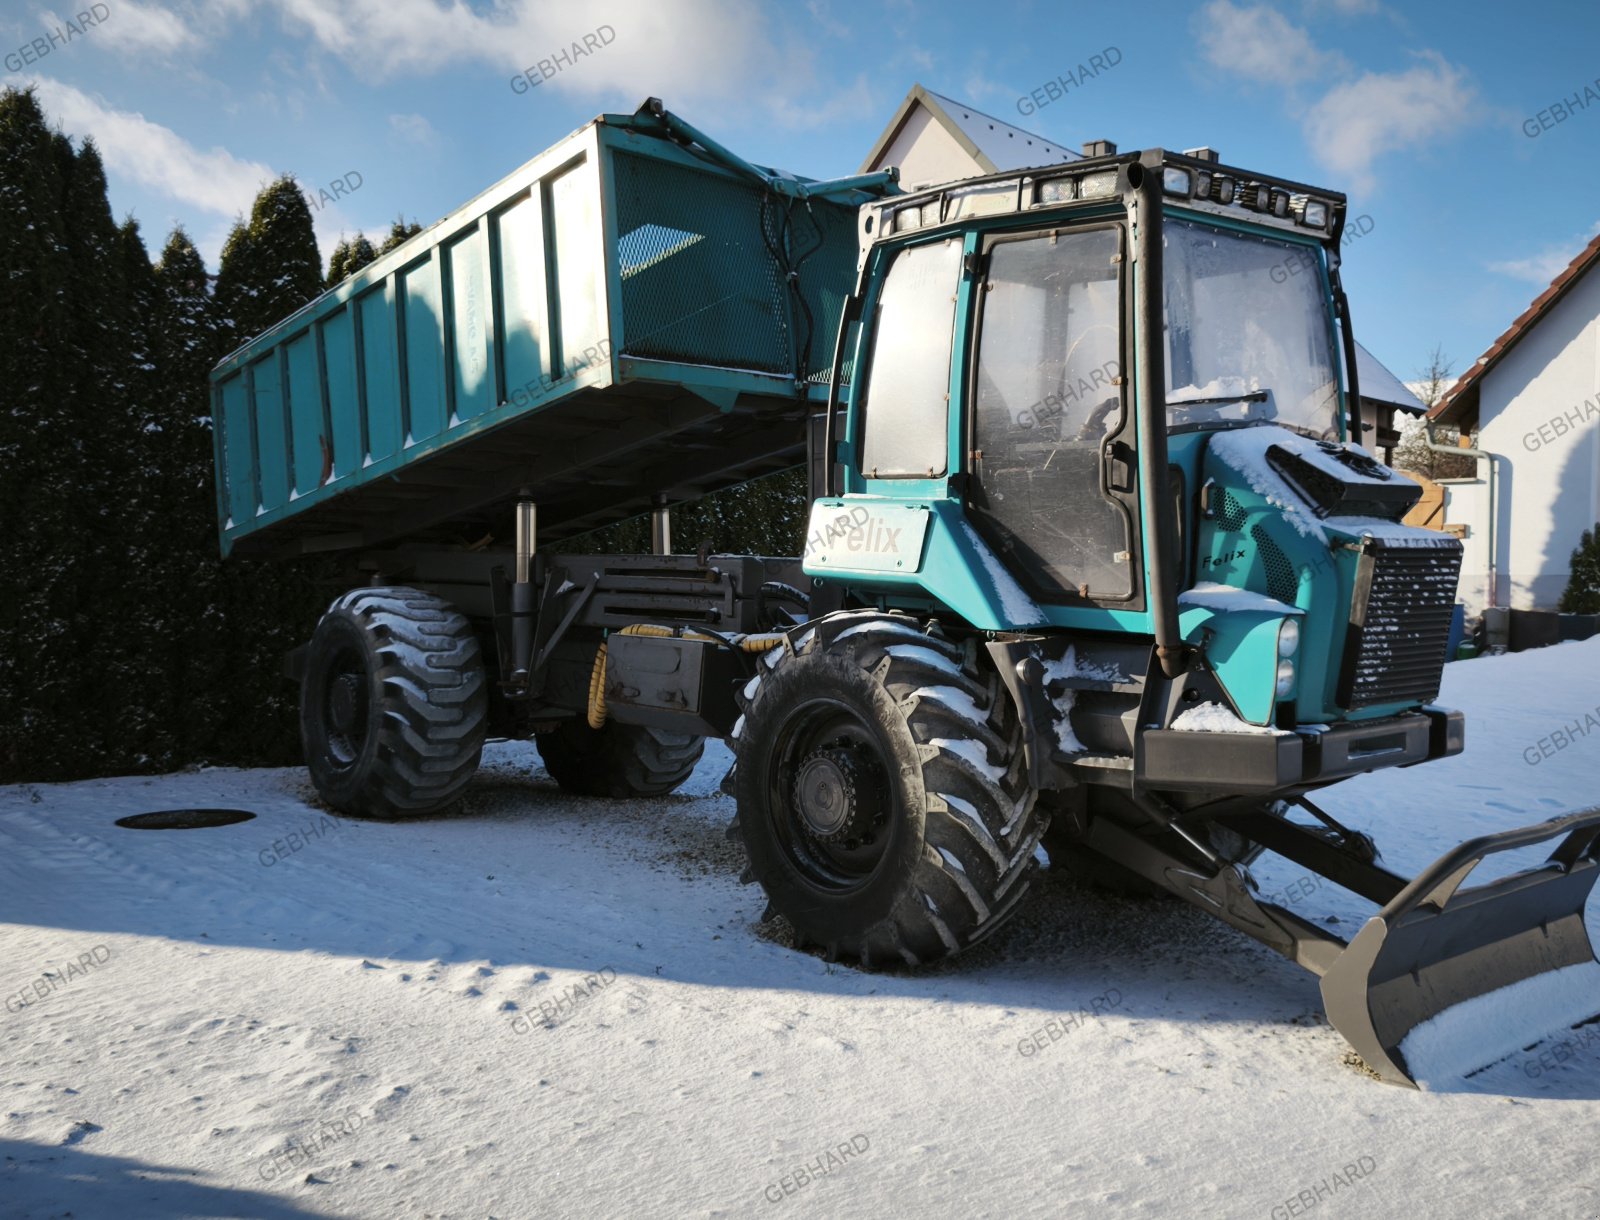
1247	332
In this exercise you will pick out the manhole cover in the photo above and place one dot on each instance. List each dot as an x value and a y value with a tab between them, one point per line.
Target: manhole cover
184	819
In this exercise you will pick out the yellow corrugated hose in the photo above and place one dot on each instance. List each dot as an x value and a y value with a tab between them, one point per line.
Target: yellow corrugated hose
597	677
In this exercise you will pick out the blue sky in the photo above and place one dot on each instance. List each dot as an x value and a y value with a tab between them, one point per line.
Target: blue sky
1419	111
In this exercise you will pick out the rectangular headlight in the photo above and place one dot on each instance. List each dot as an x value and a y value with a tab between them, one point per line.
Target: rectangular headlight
1098	186
1055	190
1258	198
1314	214
1176	180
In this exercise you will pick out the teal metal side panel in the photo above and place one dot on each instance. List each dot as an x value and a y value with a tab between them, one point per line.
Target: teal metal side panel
505	306
947	562
422	340
381	383
1242	647
272	430
238	451
471	327
305	412
576	266
519	244
344	400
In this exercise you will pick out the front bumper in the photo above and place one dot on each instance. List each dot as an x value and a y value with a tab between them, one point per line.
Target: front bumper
1276	762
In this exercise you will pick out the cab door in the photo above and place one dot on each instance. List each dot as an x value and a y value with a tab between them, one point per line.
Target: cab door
1051	457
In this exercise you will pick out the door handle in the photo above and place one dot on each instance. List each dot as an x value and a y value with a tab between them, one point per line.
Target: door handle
1119	467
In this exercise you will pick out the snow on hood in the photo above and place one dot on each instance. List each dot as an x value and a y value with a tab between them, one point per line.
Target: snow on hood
1245	450
1208	595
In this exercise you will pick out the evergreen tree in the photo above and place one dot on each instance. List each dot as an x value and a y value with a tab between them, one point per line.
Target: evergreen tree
1582	594
42	519
765	516
270	265
400	232
189	571
349	257
147	729
269	269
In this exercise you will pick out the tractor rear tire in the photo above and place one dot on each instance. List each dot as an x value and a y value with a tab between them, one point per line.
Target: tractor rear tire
393	703
883	801
618	760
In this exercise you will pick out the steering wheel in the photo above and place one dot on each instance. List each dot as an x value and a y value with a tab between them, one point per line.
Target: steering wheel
1097	417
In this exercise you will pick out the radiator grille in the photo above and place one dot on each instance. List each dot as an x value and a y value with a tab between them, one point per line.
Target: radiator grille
1399	621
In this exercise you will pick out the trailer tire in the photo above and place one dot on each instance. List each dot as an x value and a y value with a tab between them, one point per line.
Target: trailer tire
393	703
618	760
883	800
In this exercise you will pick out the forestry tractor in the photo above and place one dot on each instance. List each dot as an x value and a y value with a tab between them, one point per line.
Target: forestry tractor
1093	552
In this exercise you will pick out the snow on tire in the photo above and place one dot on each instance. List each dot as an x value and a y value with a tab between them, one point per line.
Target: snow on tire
882	796
393	703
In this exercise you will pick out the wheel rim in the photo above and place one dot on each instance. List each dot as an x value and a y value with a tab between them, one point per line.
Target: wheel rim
346	707
828	804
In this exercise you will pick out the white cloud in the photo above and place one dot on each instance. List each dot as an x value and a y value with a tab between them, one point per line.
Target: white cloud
213	180
1548	263
704	50
1345	8
414	129
1377	113
151	28
822	13
977	87
1260	45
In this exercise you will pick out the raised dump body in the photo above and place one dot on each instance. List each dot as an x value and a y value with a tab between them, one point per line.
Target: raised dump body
631	313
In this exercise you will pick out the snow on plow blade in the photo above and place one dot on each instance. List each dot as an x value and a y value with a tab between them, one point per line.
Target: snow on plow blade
1437	947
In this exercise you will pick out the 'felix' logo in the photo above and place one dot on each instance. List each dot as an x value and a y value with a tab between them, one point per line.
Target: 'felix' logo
873	538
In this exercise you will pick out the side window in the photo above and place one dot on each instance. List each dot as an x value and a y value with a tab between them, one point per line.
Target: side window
1046	402
906	397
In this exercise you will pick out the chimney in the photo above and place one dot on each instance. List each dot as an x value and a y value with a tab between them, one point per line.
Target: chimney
1202	154
1099	148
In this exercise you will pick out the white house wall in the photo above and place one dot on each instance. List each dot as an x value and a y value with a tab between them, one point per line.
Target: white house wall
927	153
1533	414
1466	502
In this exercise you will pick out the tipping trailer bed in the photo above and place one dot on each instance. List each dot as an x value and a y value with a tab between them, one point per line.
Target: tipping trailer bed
616	319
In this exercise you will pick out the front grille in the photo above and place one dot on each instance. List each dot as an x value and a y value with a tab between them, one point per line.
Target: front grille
1399	625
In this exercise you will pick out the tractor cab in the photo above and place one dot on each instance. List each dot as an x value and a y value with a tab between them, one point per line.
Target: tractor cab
1117	397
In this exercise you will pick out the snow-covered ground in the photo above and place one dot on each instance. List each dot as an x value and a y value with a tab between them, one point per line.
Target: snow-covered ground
549	1006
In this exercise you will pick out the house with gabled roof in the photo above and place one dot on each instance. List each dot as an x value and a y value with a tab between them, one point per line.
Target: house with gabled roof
933	138
1533	401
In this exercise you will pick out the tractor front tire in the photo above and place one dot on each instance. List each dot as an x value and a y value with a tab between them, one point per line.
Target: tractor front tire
882	797
393	703
618	760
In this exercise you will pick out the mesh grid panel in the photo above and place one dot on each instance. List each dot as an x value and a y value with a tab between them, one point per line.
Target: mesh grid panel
700	284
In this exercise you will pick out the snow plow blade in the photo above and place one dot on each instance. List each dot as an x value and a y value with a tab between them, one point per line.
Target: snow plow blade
1436	945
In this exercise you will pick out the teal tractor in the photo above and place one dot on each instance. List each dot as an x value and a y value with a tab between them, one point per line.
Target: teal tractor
1096	571
1113	574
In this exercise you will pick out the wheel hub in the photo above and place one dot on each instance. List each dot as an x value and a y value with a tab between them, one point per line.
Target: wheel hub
346	703
838	794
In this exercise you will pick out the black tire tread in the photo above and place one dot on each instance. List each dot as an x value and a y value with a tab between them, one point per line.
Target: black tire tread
434	710
618	760
982	824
